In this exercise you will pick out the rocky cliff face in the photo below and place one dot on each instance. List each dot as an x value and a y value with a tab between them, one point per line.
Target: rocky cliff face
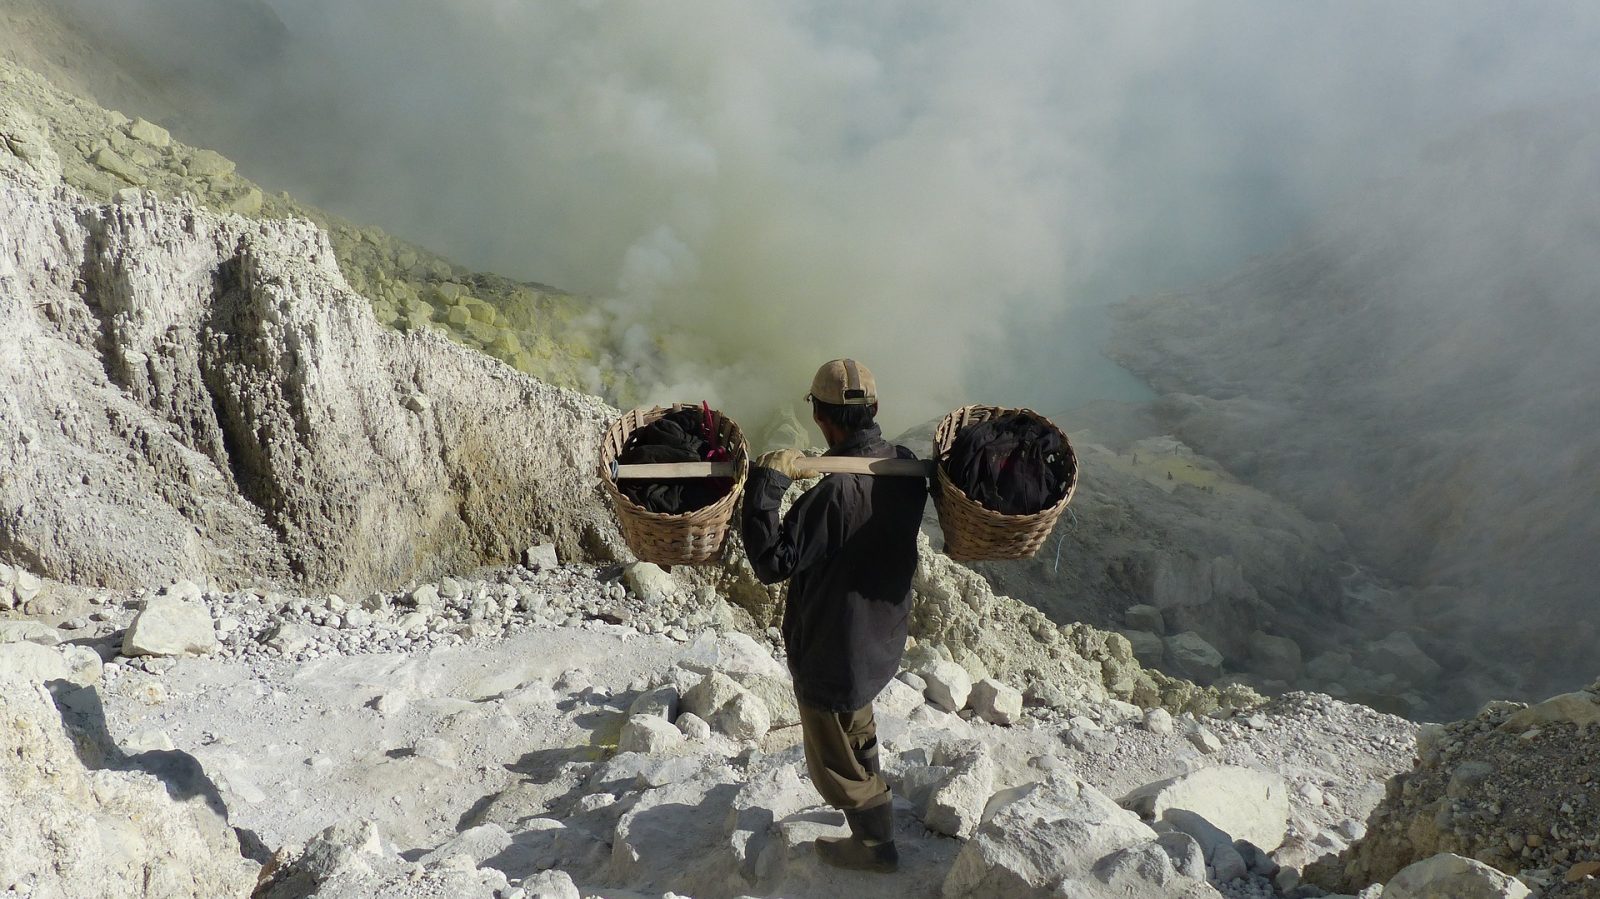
195	395
1418	370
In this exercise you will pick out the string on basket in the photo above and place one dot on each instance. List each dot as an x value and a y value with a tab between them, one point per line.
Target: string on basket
715	452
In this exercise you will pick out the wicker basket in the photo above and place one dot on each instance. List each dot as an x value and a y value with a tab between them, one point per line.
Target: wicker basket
973	533
690	538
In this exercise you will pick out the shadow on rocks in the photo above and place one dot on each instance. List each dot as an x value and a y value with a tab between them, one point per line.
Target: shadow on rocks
83	715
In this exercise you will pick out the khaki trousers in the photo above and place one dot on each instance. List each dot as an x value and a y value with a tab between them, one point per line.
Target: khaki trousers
842	757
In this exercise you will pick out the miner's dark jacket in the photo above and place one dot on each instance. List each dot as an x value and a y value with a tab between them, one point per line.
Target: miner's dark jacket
849	549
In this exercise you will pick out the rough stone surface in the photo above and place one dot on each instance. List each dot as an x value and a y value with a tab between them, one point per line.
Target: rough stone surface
995	702
1447	876
1191	654
955	806
168	626
649	582
948	685
70	830
1062	837
1518	798
1244	803
231	363
649	733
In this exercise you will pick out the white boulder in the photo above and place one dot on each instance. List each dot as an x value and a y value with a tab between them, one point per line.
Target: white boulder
898	699
729	708
1447	876
1244	803
70	831
1062	837
169	626
995	702
659	702
955	806
540	556
42	664
551	884
649	582
948	684
649	733
1158	721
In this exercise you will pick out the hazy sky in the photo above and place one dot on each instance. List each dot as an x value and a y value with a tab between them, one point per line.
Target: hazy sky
930	186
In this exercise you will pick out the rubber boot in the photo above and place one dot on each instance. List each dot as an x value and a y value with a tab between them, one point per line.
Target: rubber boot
870	846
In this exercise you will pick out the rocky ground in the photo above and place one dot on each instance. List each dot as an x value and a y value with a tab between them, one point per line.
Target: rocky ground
466	736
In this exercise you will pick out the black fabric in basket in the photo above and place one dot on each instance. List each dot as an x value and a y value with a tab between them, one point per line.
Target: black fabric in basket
1013	464
674	437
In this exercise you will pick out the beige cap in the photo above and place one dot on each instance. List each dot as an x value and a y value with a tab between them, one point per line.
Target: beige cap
844	382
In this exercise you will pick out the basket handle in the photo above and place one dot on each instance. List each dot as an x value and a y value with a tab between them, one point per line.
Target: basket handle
912	468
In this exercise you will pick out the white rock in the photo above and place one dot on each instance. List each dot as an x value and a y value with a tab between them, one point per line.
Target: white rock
551	884
28	632
647	581
955	806
1158	721
1058	830
648	733
84	666
25	585
743	718
70	831
1245	803
41	664
1202	738
897	699
660	702
948	684
540	556
693	726
290	637
1447	876
995	702
480	843
728	707
169	626
732	653
183	590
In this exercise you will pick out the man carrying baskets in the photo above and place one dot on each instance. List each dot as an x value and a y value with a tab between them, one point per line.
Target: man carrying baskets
848	547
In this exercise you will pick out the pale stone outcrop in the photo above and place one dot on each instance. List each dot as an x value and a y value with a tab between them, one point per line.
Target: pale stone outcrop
1063	837
1447	876
1244	803
168	626
238	414
69	830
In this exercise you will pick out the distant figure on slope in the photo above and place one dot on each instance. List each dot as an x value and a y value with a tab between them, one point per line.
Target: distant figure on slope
849	549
